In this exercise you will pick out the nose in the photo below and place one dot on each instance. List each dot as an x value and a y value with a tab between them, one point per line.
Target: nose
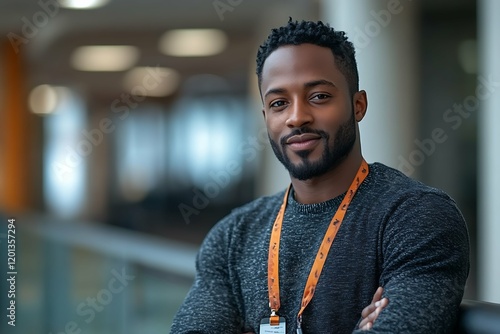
299	115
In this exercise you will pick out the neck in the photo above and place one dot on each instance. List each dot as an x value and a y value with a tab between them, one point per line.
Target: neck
328	185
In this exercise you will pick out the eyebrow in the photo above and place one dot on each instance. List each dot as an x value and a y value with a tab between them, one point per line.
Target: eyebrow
274	91
309	84
319	83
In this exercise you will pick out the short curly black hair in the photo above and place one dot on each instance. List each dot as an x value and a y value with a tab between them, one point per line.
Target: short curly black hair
318	33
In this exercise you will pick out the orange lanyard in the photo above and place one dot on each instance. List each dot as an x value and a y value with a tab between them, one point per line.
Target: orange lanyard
312	280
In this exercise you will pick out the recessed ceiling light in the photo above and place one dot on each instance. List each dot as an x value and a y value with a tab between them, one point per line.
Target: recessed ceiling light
82	4
44	99
193	42
151	81
104	57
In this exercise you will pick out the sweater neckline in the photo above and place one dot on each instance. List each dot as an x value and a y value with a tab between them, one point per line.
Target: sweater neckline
326	206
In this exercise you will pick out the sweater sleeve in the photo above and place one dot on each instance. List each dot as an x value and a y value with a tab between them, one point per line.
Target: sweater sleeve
425	263
210	306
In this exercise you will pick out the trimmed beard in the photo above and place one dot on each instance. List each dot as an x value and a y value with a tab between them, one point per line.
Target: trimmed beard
332	155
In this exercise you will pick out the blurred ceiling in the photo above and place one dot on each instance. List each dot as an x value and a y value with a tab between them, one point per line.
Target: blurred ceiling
131	22
141	23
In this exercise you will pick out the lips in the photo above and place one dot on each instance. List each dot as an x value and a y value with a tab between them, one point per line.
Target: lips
302	138
305	141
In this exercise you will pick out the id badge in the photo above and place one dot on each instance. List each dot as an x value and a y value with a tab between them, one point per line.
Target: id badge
266	328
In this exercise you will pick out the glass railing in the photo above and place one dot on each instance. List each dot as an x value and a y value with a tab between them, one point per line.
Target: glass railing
83	278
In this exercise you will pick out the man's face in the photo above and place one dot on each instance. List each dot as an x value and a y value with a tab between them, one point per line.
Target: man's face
308	109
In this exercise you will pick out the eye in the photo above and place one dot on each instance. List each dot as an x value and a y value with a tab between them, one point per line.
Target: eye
320	96
279	104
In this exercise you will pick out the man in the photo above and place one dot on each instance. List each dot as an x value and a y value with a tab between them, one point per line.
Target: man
278	265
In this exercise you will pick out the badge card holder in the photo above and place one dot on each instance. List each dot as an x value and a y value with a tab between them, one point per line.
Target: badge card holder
267	328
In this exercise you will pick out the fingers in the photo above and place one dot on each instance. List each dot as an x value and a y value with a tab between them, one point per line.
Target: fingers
382	304
369	320
378	294
367	327
372	311
370	308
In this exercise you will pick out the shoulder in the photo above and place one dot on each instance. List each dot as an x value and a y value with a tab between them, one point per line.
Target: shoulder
413	210
421	228
392	186
405	205
250	219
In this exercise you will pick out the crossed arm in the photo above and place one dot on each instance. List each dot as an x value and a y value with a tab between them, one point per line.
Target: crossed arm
425	251
371	312
424	260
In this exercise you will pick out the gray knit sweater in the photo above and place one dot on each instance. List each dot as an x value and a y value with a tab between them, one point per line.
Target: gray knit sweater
397	233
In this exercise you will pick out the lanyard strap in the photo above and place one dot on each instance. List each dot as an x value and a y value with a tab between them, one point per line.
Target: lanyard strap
314	274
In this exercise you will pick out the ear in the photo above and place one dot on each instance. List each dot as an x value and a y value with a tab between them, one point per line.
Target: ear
264	113
360	104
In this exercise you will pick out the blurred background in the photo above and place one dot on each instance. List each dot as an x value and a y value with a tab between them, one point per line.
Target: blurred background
129	128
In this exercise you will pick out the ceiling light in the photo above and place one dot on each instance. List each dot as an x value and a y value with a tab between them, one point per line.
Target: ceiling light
151	81
44	99
104	57
193	42
82	4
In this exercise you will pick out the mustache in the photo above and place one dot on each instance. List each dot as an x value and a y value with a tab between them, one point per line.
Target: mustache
300	131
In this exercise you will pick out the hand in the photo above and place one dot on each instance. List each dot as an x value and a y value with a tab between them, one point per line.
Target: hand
371	312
